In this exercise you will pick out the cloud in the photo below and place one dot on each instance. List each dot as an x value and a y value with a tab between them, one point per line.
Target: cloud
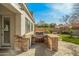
64	8
54	13
57	10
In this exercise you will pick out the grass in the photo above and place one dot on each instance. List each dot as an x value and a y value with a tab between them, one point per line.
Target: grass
68	38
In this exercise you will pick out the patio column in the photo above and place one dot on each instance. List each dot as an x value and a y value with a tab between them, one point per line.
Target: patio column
30	36
18	24
33	27
23	31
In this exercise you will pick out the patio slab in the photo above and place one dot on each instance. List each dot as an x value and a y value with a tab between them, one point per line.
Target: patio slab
64	49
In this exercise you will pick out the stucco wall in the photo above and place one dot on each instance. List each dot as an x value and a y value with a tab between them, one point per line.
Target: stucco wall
22	24
17	21
0	30
6	12
18	24
23	16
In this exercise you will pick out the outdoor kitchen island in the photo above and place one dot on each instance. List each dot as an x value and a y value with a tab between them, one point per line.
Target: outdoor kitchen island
52	42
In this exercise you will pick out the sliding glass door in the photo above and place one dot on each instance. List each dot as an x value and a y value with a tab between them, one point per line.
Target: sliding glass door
5	31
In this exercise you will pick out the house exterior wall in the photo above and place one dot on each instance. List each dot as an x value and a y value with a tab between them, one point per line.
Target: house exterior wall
18	24
23	14
17	21
5	12
0	30
22	27
22	24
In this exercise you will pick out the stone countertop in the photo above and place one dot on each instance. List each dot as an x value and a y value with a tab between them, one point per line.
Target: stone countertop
52	35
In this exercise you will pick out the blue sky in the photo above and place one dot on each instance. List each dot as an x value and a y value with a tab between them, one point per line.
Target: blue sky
50	13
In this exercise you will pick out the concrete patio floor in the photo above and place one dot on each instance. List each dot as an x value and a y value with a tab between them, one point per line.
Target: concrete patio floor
64	49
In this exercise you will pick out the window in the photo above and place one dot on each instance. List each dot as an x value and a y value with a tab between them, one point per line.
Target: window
31	27
27	26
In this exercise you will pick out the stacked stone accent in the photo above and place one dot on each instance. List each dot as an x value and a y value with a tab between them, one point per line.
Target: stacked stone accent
21	44
53	42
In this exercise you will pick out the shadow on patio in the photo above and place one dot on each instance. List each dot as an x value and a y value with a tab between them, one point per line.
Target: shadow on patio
42	50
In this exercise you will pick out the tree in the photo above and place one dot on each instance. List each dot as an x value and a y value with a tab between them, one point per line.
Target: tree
75	15
52	25
65	18
74	19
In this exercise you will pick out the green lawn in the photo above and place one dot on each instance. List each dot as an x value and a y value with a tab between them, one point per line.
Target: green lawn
67	38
